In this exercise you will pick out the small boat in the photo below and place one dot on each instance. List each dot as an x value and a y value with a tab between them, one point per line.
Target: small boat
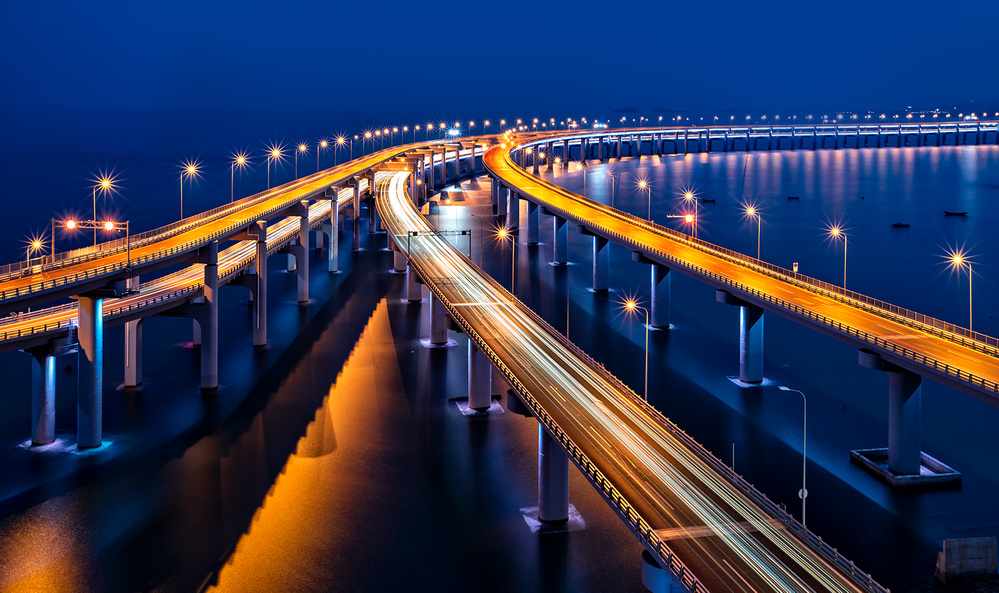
793	197
901	225
949	213
708	200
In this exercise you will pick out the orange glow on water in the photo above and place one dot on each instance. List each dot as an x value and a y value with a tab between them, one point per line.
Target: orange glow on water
300	522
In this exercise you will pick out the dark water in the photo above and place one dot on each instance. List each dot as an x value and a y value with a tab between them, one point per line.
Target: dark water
328	464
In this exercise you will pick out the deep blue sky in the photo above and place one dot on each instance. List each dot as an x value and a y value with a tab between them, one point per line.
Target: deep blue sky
390	60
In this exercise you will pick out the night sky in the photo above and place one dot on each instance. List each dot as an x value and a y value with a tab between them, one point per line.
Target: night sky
391	60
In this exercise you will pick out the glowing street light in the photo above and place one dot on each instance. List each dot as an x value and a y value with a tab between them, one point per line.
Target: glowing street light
104	183
688	196
804	452
959	260
239	160
321	147
190	171
367	136
752	212
303	150
644	184
273	154
633	306
502	234
836	232
340	141
33	246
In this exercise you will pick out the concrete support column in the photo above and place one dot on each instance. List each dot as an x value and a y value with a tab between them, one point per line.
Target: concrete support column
133	353
89	406
549	156
355	240
415	288
601	264
399	260
620	146
260	302
535	161
478	391
904	422
43	386
659	312
209	321
291	262
533	220
601	150
553	480
513	215
560	249
302	255
438	325
750	343
565	154
332	231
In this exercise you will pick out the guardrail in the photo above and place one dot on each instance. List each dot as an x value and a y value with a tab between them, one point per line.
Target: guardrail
943	329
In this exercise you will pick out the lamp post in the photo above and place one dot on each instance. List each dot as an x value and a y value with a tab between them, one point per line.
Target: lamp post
321	147
503	234
804	452
33	246
190	170
340	141
632	306
105	183
838	232
367	136
959	260
643	184
751	211
273	154
238	160
303	149
688	196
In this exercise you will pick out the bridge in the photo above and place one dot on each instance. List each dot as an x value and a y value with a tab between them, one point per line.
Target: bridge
709	528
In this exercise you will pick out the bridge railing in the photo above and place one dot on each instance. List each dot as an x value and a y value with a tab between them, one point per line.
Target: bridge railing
944	329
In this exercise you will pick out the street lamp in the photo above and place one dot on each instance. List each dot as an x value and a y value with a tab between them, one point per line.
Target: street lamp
303	149
367	136
751	211
632	306
273	154
321	147
688	196
804	452
33	246
959	260
340	141
104	183
190	170
503	234
644	184
238	160
838	232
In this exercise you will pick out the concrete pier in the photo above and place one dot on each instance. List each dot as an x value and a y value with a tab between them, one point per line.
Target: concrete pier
560	249
601	264
415	286
43	391
513	213
750	343
209	319
89	406
438	324
904	422
553	480
133	353
479	398
661	293
533	221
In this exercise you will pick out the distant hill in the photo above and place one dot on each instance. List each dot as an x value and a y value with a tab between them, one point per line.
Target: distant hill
626	110
664	110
